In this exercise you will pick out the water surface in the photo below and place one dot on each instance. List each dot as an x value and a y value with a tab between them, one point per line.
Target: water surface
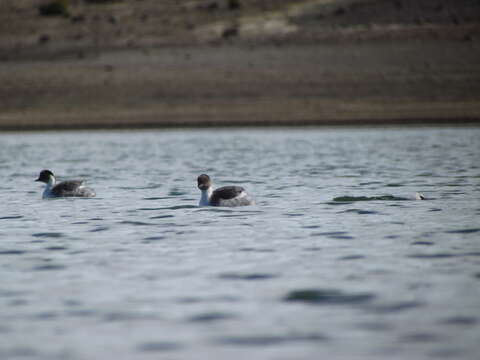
338	259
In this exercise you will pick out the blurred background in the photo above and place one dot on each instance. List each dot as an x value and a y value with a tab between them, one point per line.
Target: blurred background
149	63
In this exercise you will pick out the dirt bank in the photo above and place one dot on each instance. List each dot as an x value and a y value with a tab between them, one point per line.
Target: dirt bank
197	63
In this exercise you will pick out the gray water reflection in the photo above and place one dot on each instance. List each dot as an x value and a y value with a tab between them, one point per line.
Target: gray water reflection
338	259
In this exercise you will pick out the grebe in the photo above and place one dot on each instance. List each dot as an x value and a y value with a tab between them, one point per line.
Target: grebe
63	189
224	196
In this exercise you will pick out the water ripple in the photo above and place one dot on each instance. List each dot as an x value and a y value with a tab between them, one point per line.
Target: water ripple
48	235
395	307
159	346
463	231
349	199
268	340
136	223
12	252
11	217
252	276
211	317
327	297
443	255
358	211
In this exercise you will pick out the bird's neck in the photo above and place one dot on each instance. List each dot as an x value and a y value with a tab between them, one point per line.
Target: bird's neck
205	197
48	188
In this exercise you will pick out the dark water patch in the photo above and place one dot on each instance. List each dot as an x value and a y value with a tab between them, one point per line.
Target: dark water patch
177	207
96	219
293	214
56	248
150	187
394	308
420	338
18	352
11	217
442	255
391	236
461	321
370	183
268	340
311	227
150	239
99	228
176	192
426	235
115	316
358	211
79	222
435	210
81	313
215	209
425	243
210	317
426	174
161	217
158	198
159	346
463	231
331	233
185	232
431	256
349	199
136	223
375	326
72	302
477	275
49	267
394	185
341	235
18	302
12	252
12	293
48	315
312	248
171	225
396	205
77	252
48	235
213	299
239	215
447	353
252	276
251	249
327	297
351	257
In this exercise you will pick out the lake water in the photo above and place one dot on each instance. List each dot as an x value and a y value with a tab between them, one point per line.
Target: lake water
337	260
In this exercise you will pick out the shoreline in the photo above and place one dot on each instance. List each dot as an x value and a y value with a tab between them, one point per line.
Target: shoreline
295	85
399	123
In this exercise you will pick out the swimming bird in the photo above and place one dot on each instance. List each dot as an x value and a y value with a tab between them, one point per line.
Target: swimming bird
224	196
63	189
420	196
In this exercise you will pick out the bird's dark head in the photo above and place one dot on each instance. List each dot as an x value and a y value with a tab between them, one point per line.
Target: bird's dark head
204	182
45	176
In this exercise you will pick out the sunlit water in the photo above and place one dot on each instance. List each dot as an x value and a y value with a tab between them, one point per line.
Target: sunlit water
337	260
